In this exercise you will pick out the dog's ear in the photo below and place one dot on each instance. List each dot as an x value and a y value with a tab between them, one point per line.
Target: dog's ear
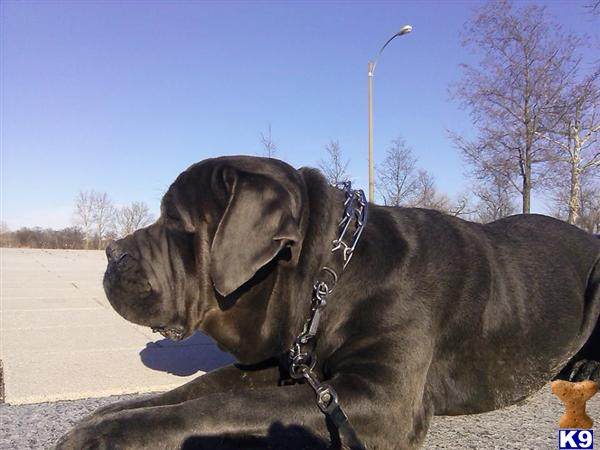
262	217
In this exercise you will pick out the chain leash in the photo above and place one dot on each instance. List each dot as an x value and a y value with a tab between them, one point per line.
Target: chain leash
301	355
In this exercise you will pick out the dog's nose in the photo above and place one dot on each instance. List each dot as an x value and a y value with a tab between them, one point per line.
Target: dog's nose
114	252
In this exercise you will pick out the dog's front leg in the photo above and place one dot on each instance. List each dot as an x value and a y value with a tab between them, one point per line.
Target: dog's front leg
249	412
229	378
280	417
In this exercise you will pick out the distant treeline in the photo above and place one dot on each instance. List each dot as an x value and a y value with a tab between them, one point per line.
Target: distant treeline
97	222
67	238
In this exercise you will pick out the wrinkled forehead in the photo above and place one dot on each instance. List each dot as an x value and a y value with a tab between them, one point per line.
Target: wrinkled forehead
192	196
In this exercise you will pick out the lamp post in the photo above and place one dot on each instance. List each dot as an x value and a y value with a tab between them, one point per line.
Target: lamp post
404	30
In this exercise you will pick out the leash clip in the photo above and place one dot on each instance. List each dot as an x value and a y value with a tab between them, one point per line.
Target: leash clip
302	362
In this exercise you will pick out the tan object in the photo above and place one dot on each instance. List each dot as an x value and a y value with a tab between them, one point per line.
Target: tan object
574	396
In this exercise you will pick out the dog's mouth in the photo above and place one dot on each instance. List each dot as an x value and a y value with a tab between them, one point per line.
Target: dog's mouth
172	333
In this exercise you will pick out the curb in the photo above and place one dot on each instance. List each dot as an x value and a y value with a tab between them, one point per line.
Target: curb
1	383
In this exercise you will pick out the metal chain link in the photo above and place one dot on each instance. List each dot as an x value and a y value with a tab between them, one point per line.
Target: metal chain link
302	358
358	213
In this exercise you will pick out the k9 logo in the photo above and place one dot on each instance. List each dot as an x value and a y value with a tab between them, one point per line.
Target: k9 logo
575	439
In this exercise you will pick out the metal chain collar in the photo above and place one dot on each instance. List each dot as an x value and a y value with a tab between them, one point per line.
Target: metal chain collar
303	359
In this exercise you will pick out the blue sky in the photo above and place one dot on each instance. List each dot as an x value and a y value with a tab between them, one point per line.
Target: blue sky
122	96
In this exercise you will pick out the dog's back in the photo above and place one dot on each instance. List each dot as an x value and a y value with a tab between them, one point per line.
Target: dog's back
519	297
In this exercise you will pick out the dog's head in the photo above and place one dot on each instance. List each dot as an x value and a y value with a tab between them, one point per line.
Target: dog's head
225	224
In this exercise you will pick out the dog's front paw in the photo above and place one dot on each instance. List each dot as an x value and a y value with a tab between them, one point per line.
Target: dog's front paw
92	435
135	429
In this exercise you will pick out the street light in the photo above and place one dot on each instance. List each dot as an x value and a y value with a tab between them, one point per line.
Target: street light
404	30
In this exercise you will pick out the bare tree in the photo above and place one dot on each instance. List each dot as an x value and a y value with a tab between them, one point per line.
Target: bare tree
131	217
71	237
589	219
594	6
525	62
95	214
397	178
426	194
334	167
6	236
103	216
269	146
575	142
495	200
401	183
83	215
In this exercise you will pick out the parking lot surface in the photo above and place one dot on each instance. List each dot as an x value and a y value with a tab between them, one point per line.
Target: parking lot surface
61	340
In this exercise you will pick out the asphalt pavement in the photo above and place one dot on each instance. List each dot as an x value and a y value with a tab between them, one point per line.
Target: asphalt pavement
531	425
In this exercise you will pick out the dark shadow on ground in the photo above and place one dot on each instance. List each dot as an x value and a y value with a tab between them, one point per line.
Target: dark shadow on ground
183	358
279	438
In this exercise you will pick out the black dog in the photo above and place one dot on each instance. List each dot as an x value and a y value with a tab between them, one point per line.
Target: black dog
433	315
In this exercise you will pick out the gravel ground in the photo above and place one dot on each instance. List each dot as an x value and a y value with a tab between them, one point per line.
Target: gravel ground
531	425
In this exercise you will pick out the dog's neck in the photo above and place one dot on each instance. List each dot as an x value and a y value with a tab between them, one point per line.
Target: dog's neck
324	209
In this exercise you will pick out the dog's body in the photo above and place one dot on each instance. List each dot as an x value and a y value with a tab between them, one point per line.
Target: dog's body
434	315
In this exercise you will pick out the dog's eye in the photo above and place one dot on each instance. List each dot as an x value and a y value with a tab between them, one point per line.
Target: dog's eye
172	221
172	217
171	214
